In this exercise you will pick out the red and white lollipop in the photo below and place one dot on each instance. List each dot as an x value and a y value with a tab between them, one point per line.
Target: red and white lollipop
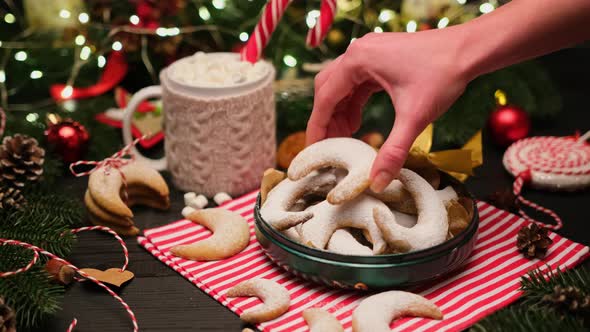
547	162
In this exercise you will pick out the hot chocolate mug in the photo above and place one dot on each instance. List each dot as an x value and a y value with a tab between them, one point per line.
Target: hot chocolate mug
217	138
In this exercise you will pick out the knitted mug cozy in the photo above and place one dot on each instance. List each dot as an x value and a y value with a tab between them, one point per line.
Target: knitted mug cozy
219	144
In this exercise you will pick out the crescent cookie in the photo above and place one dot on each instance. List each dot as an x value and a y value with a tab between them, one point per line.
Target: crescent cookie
344	243
432	225
231	234
280	199
351	154
398	198
375	313
121	230
270	179
358	213
320	320
275	298
105	188
103	215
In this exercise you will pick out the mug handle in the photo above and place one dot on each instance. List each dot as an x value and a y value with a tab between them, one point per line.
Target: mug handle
138	97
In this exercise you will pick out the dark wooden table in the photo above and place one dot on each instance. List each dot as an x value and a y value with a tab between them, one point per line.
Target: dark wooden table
164	301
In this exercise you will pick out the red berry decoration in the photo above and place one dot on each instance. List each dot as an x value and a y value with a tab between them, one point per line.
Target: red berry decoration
67	138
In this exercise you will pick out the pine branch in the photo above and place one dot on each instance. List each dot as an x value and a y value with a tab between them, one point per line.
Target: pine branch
518	318
537	283
32	295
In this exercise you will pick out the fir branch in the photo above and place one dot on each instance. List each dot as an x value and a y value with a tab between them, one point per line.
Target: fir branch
518	318
536	284
32	295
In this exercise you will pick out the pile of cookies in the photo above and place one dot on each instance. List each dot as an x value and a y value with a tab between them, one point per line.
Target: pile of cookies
324	202
106	190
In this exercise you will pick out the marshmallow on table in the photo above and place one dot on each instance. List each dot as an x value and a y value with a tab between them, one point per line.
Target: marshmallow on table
198	202
221	198
187	210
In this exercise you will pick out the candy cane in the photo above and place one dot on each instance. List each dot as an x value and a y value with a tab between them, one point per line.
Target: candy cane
271	15
320	29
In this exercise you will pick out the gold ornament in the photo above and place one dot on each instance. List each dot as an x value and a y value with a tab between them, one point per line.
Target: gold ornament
459	163
53	14
423	10
335	37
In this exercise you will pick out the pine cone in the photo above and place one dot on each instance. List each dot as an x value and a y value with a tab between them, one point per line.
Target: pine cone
569	299
7	318
11	198
21	160
533	241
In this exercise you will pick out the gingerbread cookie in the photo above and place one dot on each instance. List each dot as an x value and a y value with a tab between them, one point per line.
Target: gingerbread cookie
231	234
351	154
375	313
432	225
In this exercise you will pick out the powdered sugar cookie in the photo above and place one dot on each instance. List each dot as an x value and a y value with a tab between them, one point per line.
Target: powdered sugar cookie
432	225
375	313
344	243
270	179
398	198
348	153
358	213
280	199
231	234
105	188
320	320
275	298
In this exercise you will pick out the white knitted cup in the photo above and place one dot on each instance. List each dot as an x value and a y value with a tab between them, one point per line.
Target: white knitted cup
217	139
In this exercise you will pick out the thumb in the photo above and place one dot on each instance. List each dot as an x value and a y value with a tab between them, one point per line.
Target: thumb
393	153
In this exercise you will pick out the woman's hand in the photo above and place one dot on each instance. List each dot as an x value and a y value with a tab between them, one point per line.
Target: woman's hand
422	74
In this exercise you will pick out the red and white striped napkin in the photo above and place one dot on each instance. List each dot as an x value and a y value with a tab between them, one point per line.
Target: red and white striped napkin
489	280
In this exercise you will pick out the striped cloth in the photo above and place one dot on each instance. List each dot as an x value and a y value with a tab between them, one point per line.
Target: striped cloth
487	282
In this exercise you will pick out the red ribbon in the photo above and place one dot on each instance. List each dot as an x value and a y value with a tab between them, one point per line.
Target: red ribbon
115	70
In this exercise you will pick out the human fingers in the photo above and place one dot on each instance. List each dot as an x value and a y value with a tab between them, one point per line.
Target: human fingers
340	84
393	153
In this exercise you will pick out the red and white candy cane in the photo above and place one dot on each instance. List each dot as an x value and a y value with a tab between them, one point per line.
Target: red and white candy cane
271	15
36	250
320	29
115	161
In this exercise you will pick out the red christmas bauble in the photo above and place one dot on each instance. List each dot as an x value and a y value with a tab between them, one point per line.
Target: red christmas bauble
69	139
507	124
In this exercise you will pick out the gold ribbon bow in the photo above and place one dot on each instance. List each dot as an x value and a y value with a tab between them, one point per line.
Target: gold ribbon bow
459	163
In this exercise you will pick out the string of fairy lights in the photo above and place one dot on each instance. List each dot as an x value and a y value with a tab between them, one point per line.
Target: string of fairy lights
87	53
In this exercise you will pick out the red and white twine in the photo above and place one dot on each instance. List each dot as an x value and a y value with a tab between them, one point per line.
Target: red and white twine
36	250
116	161
550	156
